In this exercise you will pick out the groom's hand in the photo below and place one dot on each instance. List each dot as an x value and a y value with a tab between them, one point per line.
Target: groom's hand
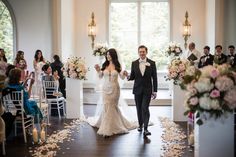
154	95
125	73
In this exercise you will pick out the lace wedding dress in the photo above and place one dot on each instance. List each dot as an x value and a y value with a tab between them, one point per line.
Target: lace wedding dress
111	120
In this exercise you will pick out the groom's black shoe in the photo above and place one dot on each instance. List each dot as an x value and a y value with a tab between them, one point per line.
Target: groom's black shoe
146	133
140	129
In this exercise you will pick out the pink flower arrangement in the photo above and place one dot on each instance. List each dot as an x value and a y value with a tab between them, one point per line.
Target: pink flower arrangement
212	89
75	68
177	69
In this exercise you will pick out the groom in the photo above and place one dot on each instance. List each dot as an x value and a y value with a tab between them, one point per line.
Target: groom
144	74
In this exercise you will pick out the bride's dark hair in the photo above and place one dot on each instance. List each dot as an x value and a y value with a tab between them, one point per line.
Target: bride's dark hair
112	52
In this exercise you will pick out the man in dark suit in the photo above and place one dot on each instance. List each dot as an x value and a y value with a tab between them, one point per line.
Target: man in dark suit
232	56
206	59
144	74
219	58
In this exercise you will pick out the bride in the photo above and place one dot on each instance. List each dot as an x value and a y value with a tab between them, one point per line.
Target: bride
111	120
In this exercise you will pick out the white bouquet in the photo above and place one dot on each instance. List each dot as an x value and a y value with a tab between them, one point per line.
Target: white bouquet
75	68
100	49
173	49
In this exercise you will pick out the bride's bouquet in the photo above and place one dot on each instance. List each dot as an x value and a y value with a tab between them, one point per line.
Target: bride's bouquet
173	49
100	49
75	68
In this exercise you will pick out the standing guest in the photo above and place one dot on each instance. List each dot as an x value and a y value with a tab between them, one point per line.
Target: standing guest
38	63
56	67
21	63
3	62
30	106
219	58
193	55
232	56
206	59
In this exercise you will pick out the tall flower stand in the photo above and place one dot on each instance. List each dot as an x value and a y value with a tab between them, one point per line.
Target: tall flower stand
178	98
215	138
74	98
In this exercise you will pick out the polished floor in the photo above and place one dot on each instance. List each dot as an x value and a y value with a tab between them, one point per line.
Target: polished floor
88	144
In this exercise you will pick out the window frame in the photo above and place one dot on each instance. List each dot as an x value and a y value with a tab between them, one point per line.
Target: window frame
14	25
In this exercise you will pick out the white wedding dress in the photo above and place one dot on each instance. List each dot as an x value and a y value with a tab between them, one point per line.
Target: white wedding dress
112	120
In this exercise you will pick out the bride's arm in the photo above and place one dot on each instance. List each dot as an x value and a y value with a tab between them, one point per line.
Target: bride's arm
99	71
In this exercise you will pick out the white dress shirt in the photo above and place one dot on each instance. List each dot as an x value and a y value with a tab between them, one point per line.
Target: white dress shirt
142	65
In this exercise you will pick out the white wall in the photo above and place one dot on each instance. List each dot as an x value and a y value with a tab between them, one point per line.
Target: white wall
83	11
34	27
196	10
210	24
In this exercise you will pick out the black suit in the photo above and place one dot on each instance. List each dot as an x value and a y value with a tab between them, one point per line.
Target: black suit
206	60
220	59
232	60
144	85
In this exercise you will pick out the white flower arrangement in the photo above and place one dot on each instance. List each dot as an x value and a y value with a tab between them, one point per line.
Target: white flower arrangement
100	49
75	67
211	89
173	49
177	70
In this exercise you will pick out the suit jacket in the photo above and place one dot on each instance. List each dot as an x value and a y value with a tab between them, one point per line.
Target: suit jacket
209	59
220	59
232	60
147	83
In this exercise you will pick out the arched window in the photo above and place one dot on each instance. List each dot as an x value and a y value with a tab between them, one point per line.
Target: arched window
6	31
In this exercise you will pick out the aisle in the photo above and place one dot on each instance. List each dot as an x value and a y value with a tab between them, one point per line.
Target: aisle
87	143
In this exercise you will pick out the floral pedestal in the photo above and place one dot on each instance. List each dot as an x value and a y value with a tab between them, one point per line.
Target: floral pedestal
178	98
215	138
74	98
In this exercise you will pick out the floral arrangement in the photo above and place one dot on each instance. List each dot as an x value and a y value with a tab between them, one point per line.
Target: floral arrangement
75	68
173	49
177	69
212	90
100	49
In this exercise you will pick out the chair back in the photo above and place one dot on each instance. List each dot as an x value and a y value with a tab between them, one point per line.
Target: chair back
50	88
14	103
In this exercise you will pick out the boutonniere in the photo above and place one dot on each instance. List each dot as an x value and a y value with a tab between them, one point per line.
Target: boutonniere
147	64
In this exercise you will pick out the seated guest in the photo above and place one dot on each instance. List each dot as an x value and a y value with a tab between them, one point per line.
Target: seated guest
219	58
232	56
48	73
14	83
57	66
8	69
206	59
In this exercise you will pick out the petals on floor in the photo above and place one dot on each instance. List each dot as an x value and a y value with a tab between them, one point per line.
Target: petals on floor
173	138
52	145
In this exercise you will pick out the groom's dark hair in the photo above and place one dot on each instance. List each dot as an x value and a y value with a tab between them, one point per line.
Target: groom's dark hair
142	46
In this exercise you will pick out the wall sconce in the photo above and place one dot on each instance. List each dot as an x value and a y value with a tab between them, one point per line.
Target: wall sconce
92	29
187	29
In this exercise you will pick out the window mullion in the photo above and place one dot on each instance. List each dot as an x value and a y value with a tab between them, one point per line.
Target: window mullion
139	22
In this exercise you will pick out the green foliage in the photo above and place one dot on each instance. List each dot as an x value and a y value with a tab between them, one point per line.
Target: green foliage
6	32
